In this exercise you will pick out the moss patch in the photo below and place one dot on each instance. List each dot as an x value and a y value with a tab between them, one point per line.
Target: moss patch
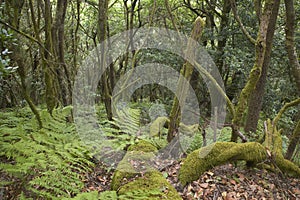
205	158
217	154
152	186
135	162
143	146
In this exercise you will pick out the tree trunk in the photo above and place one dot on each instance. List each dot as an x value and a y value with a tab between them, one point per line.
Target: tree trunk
222	36
290	41
49	69
22	74
17	56
256	98
62	72
186	72
102	31
261	47
294	141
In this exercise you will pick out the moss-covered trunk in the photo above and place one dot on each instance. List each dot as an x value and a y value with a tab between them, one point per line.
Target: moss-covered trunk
48	66
260	53
62	72
18	57
256	97
186	72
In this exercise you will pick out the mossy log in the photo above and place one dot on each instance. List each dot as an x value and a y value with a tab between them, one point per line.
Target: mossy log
216	154
151	184
135	162
270	152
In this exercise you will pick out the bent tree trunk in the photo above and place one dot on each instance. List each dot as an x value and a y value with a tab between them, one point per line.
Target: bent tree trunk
186	72
18	57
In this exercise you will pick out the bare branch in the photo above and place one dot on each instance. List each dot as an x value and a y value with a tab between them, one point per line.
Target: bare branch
237	18
284	108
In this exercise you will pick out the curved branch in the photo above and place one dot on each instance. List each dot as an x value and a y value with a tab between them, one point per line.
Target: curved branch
211	78
25	35
237	18
283	109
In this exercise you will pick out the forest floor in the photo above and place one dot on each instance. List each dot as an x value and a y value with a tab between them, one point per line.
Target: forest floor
226	182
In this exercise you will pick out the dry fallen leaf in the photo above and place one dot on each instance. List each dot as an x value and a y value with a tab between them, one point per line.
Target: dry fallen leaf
204	185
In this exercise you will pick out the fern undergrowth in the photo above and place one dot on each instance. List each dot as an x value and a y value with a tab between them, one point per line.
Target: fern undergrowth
41	164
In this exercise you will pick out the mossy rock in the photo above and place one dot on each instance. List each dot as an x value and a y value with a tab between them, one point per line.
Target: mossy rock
159	123
135	162
219	153
151	186
143	146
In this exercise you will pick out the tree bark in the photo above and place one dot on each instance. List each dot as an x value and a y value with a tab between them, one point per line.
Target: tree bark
62	72
261	47
256	98
102	31
290	41
294	141
222	38
17	56
49	69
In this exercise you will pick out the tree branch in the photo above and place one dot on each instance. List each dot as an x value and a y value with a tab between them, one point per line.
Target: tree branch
237	18
25	35
283	109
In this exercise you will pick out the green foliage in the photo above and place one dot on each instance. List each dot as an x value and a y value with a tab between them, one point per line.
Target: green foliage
142	194
46	163
122	131
6	40
86	196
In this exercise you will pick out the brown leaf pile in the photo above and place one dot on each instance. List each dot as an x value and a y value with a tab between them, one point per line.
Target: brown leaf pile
229	183
225	182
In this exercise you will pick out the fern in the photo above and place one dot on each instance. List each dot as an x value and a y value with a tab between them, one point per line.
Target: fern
46	163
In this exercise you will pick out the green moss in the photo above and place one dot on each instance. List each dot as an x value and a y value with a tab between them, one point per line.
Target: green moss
157	126
136	161
152	186
143	146
287	166
133	164
217	154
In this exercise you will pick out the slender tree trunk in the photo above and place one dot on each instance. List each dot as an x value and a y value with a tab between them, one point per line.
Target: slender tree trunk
17	56
294	141
22	75
102	31
256	98
49	68
62	72
223	39
290	41
263	39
